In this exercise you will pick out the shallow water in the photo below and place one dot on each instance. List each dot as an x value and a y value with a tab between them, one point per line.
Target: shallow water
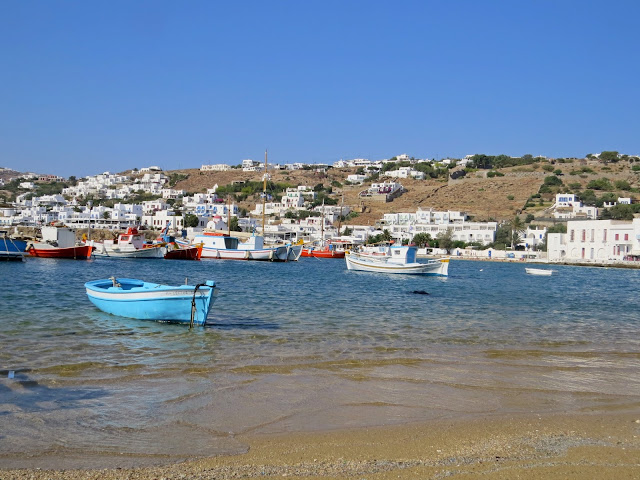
300	346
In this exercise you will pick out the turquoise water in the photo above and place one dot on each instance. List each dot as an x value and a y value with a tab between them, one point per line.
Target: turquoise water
300	346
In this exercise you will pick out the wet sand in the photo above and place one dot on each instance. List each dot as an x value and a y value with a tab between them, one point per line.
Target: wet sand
602	445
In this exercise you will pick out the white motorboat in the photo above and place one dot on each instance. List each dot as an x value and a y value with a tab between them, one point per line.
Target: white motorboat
544	272
396	259
225	247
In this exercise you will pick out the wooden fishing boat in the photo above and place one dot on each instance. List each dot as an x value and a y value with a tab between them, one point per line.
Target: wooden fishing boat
43	250
396	259
327	251
132	298
11	248
177	252
129	245
59	242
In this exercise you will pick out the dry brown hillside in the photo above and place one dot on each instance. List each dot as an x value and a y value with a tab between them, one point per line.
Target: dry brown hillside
483	198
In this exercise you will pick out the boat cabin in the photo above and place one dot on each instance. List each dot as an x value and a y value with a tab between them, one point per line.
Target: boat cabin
403	254
131	238
225	242
58	236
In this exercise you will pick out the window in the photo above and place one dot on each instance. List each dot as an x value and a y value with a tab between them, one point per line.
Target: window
584	236
572	235
626	236
604	235
617	236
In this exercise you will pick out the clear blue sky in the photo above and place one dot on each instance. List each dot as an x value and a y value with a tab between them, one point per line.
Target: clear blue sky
90	86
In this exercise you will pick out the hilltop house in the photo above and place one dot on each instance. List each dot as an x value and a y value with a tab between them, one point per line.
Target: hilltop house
567	206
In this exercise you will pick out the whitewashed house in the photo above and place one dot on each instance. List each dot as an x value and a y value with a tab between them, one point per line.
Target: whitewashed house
403	226
218	167
568	206
356	178
595	241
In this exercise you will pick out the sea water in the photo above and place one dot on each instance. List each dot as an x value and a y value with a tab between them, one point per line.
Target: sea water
299	346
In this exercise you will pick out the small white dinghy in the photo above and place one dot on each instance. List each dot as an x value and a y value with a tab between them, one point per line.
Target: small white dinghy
539	271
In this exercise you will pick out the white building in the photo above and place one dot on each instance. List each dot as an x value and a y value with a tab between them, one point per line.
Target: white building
356	178
405	172
595	241
249	165
162	218
171	193
405	225
533	237
567	206
218	167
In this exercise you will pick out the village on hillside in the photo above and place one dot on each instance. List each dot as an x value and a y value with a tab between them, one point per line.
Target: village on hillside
563	209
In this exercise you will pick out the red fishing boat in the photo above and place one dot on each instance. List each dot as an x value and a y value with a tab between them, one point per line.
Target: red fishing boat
58	242
177	252
45	250
328	251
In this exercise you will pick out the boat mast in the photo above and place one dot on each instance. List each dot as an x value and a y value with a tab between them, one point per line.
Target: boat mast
264	191
90	205
322	226
229	216
340	217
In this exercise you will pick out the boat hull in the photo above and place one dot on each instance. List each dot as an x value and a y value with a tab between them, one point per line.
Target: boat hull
11	249
150	252
278	254
321	253
369	263
151	301
184	253
294	253
82	252
539	272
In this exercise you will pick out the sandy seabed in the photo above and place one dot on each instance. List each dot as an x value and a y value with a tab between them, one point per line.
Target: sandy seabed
574	446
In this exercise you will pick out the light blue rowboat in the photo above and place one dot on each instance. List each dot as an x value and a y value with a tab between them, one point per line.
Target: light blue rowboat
128	297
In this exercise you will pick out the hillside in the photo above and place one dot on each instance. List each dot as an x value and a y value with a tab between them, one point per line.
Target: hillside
483	198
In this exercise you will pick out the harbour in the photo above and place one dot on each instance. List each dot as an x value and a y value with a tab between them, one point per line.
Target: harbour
300	347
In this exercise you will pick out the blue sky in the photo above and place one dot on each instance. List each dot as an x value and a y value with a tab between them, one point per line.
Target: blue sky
92	86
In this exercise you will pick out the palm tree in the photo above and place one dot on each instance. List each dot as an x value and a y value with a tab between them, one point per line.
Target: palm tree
517	228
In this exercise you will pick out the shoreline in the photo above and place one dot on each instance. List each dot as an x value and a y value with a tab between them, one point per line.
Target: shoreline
574	445
629	266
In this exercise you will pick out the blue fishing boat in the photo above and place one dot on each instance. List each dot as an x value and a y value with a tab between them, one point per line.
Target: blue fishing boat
10	248
128	297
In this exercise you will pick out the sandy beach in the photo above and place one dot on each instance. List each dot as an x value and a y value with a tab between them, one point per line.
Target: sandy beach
577	446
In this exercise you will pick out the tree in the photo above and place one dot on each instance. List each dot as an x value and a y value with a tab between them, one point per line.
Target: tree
191	220
422	239
552	181
609	156
618	212
445	239
622	185
233	225
600	184
386	235
106	215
